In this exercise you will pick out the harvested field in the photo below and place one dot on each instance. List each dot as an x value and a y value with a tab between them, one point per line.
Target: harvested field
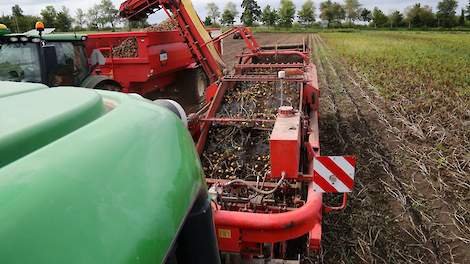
400	102
390	95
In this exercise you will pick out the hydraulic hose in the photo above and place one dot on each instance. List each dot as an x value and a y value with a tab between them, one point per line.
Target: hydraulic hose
256	189
259	227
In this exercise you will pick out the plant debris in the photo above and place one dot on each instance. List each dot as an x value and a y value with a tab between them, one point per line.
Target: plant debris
241	150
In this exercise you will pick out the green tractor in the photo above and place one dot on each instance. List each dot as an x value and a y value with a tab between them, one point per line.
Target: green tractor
50	59
92	176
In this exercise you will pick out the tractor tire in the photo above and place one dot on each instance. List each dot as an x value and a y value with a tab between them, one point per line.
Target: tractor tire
109	87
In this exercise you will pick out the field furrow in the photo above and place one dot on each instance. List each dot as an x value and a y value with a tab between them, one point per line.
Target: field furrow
400	102
428	205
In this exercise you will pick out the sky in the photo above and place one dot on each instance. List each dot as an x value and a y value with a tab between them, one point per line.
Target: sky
34	6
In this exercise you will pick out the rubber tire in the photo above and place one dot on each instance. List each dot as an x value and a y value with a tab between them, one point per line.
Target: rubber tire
192	85
108	87
237	35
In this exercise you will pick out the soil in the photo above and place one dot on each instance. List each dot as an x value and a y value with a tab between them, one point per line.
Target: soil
388	219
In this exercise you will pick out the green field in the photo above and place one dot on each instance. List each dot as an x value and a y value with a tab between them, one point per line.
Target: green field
424	62
424	77
401	102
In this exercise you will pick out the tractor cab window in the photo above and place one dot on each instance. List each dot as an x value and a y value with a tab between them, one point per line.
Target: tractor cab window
20	62
71	67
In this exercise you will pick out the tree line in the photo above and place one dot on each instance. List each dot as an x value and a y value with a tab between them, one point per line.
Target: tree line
104	16
335	14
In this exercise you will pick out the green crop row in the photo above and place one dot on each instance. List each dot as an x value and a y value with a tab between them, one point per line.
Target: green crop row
414	64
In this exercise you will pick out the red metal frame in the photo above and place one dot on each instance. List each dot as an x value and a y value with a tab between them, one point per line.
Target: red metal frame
244	32
245	231
268	228
238	230
134	9
144	73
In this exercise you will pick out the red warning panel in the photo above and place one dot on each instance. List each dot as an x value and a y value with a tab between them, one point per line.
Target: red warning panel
334	174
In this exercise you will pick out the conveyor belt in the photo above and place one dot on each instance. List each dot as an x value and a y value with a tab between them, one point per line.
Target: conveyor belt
188	6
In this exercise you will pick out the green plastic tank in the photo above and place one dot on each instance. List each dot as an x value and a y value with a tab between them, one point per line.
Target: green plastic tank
91	176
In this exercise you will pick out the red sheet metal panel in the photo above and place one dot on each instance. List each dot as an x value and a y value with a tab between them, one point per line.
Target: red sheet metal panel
285	146
229	238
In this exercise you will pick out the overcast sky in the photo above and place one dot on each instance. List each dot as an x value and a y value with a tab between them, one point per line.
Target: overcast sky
34	6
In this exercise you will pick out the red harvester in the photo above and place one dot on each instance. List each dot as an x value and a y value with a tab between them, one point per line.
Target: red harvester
280	215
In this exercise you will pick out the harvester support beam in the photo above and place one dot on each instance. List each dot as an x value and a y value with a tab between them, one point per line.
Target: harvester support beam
189	26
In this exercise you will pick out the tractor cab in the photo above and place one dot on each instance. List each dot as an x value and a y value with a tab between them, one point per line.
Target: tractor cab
51	59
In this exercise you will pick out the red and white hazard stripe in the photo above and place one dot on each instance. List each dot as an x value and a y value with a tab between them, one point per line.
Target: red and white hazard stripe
333	174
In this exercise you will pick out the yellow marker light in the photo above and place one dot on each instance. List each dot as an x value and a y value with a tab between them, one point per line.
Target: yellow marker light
39	26
3	27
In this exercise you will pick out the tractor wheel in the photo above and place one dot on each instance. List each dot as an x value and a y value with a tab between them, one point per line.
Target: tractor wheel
192	86
109	87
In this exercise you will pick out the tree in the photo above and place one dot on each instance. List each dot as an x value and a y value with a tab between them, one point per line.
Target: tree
468	10
269	16
412	15
446	12
108	13
395	18
366	15
16	11
49	16
427	16
379	18
307	13
326	12
419	16
229	14
17	14
338	12
80	18
93	17
462	18
141	23
352	10
64	20
18	22
251	12
332	12
286	13
6	20
213	12
207	21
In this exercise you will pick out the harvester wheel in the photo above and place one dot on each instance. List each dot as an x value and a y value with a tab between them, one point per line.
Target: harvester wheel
237	35
201	85
192	84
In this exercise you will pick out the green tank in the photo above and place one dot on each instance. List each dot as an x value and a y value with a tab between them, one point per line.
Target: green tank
91	176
